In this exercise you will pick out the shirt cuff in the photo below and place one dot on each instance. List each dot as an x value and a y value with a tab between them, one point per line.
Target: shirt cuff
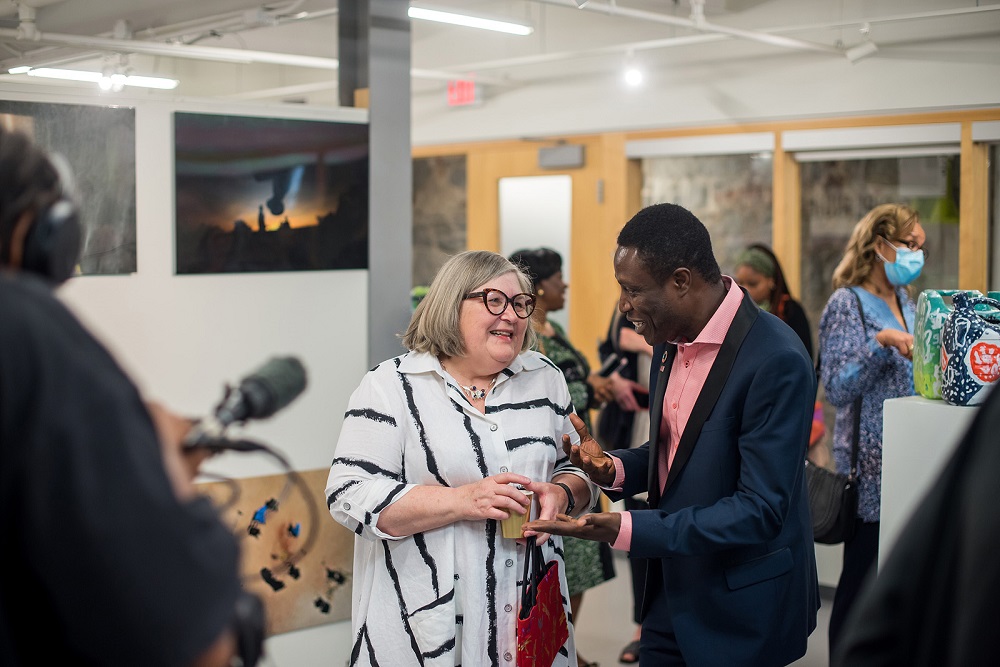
624	541
619	474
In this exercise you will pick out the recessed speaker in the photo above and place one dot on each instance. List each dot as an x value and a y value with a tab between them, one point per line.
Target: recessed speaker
563	156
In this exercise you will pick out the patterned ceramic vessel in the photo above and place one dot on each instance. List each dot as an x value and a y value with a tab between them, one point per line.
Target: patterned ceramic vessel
933	308
970	350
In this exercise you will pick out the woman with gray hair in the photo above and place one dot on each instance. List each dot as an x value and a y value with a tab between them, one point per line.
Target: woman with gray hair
437	447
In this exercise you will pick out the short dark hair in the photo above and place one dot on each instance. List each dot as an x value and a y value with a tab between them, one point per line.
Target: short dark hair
668	237
30	183
538	264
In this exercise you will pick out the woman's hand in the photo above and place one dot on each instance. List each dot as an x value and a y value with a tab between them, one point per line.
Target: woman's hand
631	341
902	341
603	390
625	392
552	501
493	497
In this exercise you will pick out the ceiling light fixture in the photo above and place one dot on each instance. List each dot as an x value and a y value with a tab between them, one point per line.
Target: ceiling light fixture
633	75
106	80
865	48
469	21
862	50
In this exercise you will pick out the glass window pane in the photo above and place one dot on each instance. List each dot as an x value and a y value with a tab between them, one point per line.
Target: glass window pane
730	194
835	195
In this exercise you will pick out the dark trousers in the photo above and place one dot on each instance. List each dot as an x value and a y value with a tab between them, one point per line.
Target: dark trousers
658	646
860	556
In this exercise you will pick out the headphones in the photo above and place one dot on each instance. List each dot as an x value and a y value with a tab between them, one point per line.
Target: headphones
52	245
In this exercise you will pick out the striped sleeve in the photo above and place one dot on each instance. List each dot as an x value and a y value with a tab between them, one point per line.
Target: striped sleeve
367	475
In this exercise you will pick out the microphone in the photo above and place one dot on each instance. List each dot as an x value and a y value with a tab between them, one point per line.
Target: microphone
260	394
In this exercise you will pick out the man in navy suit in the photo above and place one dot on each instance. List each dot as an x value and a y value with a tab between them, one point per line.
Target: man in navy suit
732	576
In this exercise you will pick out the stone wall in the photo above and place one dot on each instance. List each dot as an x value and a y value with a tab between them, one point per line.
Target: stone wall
730	194
439	213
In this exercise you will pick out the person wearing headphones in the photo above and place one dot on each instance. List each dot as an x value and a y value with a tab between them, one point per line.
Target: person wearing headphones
110	557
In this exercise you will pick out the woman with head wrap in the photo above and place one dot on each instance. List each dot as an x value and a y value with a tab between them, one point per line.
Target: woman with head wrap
760	274
587	563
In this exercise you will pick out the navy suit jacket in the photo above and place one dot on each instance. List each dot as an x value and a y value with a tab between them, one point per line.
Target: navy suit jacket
731	537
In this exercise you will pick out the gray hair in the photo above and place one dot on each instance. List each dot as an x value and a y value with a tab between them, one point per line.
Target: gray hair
434	327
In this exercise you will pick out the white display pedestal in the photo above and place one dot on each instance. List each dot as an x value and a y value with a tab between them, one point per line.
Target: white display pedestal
918	438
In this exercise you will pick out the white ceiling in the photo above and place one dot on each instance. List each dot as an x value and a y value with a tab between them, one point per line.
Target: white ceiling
567	43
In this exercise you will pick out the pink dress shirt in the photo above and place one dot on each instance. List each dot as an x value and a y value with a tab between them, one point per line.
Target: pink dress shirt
687	378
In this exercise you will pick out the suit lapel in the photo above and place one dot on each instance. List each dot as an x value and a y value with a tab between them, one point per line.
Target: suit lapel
655	416
714	383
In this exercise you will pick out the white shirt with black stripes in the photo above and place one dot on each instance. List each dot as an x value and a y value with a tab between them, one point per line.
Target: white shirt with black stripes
447	596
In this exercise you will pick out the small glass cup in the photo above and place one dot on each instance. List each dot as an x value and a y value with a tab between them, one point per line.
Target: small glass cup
511	526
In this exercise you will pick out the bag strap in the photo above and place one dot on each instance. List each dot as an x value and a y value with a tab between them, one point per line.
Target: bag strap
856	434
527	601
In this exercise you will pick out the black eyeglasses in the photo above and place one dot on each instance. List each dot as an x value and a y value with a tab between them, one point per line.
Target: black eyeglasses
496	302
909	243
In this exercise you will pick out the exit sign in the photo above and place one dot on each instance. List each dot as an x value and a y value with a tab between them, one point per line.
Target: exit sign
463	92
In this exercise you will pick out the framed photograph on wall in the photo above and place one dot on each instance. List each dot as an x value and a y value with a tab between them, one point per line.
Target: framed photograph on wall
269	194
98	144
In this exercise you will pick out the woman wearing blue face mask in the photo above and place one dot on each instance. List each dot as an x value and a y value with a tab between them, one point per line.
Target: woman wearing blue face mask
866	360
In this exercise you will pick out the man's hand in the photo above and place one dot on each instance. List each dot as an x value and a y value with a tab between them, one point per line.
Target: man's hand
601	527
180	463
588	455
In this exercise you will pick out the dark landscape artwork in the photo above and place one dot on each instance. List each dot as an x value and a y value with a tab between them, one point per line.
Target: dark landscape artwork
97	144
269	194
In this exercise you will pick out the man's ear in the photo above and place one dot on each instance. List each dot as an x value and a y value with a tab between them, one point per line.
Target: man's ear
680	280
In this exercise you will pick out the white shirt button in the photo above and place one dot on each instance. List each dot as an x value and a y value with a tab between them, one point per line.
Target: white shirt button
503	469
347	507
494	427
507	656
510	563
507	608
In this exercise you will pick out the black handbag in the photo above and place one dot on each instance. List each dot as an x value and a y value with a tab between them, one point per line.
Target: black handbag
833	496
833	502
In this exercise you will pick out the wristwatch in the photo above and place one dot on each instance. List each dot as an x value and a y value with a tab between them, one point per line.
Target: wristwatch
569	496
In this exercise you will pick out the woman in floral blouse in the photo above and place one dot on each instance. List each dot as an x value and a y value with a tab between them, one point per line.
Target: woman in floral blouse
870	359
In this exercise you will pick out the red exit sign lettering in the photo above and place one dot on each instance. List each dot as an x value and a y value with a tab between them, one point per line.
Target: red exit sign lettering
463	92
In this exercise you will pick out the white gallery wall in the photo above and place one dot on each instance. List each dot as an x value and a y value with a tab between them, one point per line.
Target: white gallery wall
182	338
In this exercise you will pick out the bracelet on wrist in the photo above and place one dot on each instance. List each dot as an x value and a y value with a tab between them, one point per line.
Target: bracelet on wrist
570	501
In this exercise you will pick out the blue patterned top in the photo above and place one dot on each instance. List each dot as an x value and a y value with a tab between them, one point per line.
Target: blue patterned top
853	364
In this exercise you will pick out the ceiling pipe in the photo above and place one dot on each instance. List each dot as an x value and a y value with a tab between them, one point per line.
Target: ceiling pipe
704	38
214	53
234	21
699	24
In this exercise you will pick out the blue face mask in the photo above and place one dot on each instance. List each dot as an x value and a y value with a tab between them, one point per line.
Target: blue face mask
906	268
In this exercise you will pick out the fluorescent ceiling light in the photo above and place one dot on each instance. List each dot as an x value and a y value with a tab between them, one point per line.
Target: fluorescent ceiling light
469	21
96	77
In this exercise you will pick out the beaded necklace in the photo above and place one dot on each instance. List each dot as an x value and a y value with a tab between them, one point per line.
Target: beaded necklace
474	393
